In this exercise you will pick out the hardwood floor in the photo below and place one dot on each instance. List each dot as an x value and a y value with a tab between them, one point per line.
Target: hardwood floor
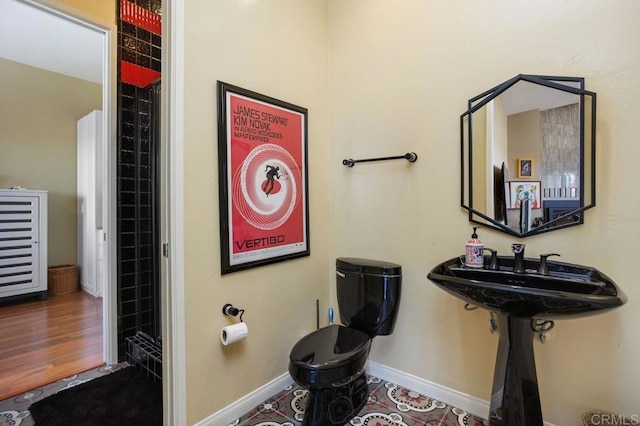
45	341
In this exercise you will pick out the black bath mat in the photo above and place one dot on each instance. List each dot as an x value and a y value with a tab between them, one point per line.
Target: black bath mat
125	397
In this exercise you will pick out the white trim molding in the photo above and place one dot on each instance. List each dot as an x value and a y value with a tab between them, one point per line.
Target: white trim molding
235	410
172	214
468	403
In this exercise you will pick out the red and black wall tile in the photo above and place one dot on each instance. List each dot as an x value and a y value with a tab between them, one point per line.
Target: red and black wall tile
139	59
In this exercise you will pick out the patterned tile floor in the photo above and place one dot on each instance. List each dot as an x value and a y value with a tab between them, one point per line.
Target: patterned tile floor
388	405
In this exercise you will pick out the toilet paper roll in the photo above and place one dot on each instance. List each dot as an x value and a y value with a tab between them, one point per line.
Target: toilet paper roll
232	333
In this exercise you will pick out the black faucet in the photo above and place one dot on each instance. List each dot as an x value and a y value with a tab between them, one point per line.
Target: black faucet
518	263
493	262
543	268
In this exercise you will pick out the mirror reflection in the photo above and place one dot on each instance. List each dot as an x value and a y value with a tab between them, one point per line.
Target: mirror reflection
524	152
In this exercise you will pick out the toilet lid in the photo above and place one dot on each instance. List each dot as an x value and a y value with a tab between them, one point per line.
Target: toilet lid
330	347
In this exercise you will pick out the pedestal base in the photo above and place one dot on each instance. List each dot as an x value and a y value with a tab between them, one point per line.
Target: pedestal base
515	399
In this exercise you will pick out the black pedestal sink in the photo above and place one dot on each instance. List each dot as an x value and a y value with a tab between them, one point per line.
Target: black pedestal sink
568	291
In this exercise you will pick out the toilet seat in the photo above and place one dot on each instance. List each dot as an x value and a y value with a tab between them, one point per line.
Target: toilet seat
330	354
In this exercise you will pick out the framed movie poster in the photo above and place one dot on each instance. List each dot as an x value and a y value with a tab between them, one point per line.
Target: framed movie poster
264	206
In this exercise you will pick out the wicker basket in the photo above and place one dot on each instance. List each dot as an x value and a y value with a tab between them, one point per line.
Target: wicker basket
62	279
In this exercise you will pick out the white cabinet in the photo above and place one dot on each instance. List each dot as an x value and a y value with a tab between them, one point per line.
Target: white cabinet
23	242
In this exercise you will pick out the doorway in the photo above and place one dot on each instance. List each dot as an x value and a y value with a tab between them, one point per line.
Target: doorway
138	181
57	47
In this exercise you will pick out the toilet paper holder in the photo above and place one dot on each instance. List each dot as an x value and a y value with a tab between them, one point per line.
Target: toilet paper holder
229	309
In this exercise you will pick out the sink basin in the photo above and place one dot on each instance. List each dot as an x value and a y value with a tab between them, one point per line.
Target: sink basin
520	299
568	291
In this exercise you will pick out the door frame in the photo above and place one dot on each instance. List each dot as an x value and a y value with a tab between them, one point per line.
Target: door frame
172	140
108	31
172	214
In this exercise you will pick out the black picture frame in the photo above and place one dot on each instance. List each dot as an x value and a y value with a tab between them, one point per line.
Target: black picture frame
263	179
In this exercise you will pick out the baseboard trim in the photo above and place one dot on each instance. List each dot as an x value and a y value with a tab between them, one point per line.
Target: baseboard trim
89	291
468	403
463	401
460	400
237	409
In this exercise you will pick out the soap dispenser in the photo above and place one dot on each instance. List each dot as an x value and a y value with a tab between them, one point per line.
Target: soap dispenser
474	257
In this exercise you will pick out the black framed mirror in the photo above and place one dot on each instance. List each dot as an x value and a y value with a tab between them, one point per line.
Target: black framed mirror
528	155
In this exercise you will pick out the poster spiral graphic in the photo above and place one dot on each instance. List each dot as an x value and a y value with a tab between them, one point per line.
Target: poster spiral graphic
261	209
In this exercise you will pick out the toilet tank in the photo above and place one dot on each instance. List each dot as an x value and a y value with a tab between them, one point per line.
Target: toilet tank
368	294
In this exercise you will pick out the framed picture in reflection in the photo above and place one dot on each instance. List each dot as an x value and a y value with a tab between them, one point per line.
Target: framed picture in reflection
519	191
525	168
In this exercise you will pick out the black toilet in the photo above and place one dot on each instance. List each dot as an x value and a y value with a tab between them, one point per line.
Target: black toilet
330	362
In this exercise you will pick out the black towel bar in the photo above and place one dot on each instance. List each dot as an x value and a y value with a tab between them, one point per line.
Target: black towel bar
409	156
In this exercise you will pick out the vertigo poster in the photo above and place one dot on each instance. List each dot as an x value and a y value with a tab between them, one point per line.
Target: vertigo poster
262	150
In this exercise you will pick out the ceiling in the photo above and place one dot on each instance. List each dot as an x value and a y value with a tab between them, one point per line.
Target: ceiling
35	37
526	96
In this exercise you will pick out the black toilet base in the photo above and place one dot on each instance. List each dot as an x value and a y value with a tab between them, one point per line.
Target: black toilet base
336	405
